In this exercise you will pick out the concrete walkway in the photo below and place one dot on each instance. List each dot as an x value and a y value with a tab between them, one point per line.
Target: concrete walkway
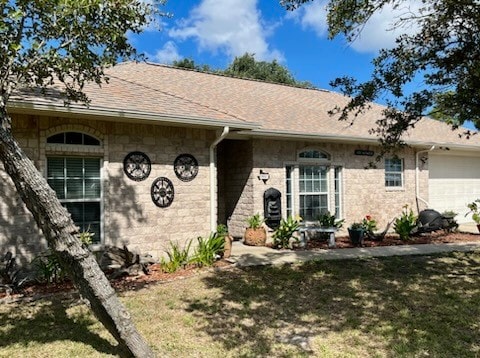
243	255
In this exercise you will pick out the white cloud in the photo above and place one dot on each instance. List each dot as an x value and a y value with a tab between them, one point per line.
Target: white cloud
230	26
377	33
167	54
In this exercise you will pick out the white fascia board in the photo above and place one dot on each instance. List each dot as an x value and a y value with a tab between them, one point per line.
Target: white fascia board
352	140
108	113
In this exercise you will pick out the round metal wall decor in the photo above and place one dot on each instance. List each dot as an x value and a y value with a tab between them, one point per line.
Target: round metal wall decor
162	192
185	167
137	166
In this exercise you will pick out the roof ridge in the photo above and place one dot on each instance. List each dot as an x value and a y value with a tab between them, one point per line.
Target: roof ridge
180	97
230	76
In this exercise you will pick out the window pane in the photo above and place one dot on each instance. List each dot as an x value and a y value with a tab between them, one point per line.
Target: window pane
74	167
89	140
73	138
55	167
57	138
92	212
92	188
92	168
74	189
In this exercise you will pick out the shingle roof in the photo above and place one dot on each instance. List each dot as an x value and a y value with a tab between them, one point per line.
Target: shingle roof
266	108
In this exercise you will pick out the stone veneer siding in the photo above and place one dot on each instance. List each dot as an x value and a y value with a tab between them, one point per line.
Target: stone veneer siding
363	190
129	215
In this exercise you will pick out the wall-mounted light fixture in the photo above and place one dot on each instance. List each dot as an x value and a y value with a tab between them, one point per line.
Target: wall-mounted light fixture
264	176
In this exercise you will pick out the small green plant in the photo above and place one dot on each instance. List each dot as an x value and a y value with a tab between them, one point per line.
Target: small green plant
282	236
177	257
208	250
475	211
328	220
369	224
356	226
222	230
255	221
86	238
404	225
48	268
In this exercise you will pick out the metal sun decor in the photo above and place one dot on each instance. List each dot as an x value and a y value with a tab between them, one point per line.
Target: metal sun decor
162	192
185	167
137	166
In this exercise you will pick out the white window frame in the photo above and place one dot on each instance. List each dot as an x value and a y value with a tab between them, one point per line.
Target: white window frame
399	173
59	150
331	171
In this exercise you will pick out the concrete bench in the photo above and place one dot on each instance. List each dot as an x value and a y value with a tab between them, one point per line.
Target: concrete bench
329	230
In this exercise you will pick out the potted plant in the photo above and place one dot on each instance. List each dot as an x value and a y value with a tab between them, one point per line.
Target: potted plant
222	231
370	225
255	233
475	211
356	232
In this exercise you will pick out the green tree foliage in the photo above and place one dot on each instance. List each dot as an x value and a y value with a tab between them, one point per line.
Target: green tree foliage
190	64
67	43
247	66
443	55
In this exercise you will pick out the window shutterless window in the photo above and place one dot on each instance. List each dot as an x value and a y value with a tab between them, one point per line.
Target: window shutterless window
393	173
77	184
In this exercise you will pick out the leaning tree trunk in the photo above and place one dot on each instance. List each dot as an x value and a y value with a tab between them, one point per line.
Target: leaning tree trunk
62	237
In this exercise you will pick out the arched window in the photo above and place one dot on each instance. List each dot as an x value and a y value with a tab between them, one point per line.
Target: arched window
309	192
313	154
74	138
76	178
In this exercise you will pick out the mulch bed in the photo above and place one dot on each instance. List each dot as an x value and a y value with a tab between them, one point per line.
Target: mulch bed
156	275
438	237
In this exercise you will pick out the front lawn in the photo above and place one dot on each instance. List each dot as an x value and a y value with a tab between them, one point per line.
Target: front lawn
398	306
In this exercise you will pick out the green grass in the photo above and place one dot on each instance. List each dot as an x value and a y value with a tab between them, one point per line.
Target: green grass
383	307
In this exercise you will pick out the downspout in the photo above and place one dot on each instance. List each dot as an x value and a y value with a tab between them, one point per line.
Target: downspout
213	180
417	177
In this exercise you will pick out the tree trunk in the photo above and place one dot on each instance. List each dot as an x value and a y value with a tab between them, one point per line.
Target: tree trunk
62	237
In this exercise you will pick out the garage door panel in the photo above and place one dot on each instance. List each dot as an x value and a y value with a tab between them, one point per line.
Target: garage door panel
454	181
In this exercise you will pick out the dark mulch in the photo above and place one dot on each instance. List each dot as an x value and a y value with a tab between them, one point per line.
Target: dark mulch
438	237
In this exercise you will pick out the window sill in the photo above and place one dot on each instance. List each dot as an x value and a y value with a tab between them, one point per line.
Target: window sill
394	189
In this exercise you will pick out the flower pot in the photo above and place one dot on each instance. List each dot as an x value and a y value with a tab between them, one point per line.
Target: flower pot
356	236
255	237
227	249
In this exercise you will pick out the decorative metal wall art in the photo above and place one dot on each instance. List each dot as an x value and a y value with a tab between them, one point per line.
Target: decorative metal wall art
137	166
162	192
185	167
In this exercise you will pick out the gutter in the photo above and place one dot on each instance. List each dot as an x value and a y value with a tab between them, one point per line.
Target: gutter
417	179
73	111
214	181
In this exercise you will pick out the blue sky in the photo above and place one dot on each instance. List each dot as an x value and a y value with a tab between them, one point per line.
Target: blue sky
213	32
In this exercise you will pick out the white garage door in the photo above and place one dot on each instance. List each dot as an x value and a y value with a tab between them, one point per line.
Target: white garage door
454	181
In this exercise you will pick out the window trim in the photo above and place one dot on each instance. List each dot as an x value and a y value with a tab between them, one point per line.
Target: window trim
400	172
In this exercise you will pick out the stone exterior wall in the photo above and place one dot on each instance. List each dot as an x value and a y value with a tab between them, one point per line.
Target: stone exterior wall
129	215
236	178
363	190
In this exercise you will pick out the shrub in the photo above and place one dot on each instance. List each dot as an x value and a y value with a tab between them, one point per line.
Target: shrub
208	250
282	236
328	220
404	225
177	257
48	267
